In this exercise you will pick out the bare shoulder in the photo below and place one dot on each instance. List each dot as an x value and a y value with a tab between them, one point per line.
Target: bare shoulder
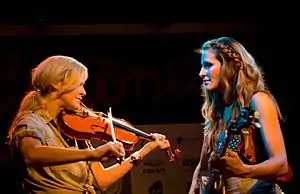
263	101
265	104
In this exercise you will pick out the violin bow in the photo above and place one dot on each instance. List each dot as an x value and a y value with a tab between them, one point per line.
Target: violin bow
113	135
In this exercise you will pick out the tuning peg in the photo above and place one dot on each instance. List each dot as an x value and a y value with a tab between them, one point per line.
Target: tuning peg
256	115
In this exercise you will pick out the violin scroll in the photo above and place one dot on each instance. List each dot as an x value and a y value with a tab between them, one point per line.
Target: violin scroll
173	155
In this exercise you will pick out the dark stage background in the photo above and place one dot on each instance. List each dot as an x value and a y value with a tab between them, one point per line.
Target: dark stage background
148	75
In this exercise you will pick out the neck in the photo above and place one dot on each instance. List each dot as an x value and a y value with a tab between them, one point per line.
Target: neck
53	109
222	104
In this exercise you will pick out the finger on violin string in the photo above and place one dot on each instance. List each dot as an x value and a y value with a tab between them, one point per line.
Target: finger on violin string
158	136
154	136
163	137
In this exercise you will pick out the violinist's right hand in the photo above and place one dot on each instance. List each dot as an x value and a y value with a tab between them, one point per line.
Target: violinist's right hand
109	149
116	148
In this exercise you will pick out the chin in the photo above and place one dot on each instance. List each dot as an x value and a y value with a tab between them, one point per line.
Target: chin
73	106
210	88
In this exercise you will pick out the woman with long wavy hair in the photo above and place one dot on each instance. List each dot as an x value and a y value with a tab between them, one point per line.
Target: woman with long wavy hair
232	80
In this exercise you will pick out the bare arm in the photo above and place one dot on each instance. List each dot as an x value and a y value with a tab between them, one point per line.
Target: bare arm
196	176
276	165
195	180
36	154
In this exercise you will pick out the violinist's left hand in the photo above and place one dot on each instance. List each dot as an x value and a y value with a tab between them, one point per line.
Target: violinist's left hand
230	165
160	141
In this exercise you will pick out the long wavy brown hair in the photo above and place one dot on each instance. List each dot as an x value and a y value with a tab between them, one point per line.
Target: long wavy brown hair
240	77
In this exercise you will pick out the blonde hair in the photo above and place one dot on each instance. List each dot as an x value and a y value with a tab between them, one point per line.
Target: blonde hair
57	69
240	77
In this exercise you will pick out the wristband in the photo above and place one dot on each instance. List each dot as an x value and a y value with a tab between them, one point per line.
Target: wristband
135	158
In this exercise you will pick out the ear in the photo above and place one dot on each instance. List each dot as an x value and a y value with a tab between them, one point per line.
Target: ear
56	86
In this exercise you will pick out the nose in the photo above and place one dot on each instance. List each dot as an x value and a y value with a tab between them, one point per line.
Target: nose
202	73
83	92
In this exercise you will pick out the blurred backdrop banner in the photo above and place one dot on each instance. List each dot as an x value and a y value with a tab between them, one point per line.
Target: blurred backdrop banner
156	175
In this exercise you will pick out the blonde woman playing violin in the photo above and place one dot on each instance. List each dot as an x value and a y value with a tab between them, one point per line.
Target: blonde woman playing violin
50	163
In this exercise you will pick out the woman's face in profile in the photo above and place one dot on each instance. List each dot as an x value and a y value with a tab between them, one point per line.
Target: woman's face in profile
72	99
210	69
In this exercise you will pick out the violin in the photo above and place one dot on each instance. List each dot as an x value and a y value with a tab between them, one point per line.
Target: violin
86	124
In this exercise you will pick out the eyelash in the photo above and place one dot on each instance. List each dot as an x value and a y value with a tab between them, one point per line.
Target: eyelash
206	66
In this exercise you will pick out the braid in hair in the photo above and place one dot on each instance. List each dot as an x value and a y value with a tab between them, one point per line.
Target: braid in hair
231	53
